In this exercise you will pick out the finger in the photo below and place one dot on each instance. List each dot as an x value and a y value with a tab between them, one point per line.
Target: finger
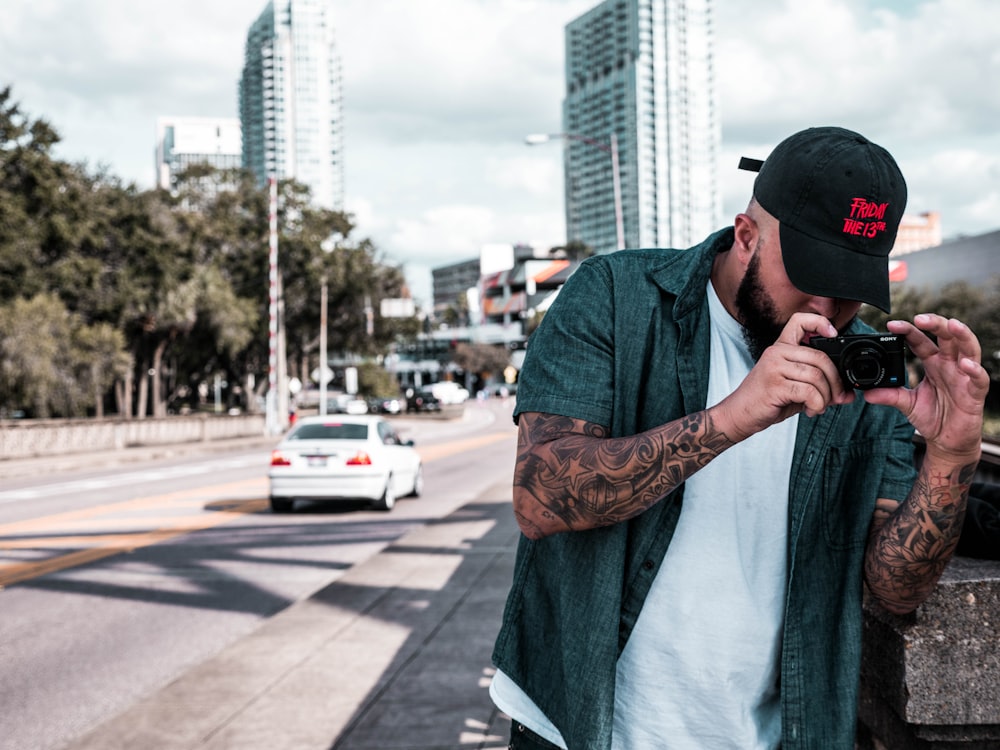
958	340
803	326
919	343
979	378
812	377
903	399
827	378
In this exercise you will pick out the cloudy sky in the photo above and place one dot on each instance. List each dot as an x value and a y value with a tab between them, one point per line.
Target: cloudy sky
439	95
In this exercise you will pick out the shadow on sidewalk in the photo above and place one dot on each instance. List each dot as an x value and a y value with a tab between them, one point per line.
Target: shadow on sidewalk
433	693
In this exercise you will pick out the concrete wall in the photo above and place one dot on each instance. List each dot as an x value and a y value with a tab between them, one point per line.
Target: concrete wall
931	680
31	438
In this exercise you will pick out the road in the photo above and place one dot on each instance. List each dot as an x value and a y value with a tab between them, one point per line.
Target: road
115	582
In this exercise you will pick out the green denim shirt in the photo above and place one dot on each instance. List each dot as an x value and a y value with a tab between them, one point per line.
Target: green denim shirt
625	345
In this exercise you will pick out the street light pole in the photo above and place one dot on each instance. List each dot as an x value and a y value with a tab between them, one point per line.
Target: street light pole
616	181
322	348
537	138
327	246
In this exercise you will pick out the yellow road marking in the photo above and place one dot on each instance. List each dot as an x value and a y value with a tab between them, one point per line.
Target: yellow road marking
107	545
436	452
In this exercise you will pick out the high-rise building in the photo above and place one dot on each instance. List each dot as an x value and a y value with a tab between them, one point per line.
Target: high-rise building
643	70
182	142
291	99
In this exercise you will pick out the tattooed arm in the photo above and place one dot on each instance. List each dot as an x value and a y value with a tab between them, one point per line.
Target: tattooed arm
571	476
910	543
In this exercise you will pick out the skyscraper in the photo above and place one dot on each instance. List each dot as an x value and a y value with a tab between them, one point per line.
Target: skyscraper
291	101
643	70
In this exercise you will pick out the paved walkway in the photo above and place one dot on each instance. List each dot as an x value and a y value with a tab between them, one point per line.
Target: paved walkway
394	654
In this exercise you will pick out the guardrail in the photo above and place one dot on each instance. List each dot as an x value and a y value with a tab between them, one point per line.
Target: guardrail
32	438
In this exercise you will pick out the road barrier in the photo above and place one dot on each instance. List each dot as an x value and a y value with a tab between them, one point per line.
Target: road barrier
31	438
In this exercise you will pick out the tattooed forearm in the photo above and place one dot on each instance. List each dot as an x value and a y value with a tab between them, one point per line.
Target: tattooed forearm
911	544
570	475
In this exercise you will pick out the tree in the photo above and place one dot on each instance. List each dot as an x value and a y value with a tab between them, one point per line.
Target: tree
485	360
53	363
169	283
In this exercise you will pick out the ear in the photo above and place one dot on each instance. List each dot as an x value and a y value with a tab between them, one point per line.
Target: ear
747	234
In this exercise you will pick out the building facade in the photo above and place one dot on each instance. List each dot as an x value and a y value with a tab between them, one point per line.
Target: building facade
643	70
917	232
291	99
182	142
451	283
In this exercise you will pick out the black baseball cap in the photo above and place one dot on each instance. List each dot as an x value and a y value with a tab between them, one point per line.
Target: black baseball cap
838	199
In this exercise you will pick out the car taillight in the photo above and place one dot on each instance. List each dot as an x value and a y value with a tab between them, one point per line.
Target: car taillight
278	459
359	459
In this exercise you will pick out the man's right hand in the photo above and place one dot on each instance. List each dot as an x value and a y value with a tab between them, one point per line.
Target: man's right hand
788	379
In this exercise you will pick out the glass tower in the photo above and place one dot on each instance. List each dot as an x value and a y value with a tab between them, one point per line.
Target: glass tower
291	99
643	70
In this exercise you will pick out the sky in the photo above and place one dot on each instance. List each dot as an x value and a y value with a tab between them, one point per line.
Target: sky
439	95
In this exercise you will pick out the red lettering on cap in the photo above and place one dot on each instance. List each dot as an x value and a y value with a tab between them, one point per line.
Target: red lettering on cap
864	209
861	209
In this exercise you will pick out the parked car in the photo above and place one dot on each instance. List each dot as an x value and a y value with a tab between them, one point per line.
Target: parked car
449	392
384	406
341	457
421	400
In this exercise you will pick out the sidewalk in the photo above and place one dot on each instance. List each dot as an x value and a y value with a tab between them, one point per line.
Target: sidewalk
394	654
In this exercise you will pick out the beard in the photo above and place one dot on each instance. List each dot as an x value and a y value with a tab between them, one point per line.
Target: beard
758	314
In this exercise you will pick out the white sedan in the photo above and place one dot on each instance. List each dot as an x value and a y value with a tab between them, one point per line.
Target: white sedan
343	456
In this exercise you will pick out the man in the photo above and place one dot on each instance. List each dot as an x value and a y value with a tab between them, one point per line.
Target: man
700	494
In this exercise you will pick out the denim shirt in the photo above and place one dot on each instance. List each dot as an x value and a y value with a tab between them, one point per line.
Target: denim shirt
625	345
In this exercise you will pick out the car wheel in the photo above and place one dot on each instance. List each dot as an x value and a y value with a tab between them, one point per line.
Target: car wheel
281	504
418	482
388	499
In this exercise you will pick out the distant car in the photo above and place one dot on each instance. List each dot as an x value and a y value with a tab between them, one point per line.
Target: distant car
421	400
355	406
448	392
341	457
384	406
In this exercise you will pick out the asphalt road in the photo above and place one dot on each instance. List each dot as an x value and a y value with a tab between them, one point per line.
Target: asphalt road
117	581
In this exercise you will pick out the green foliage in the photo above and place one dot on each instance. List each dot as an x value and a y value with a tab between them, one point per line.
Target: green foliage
53	363
101	284
375	381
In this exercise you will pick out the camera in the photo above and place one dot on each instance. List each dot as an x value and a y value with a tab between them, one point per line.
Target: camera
876	360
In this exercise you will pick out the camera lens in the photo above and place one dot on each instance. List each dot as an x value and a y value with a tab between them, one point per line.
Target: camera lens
864	364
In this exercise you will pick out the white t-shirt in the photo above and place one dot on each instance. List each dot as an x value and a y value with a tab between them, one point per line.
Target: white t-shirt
700	668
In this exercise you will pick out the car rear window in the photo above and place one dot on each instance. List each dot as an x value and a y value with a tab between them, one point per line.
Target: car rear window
330	431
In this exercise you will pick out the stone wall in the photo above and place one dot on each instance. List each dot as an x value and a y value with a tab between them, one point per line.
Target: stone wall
931	680
48	437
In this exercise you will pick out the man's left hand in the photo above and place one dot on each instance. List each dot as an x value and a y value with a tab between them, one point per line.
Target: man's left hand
946	407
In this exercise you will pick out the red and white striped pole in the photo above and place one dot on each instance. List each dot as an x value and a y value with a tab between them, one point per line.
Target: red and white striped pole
273	422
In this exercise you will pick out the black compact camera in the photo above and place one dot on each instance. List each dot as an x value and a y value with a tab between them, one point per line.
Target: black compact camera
875	360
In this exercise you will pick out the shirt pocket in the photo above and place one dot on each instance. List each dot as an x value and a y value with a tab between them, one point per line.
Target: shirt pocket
851	479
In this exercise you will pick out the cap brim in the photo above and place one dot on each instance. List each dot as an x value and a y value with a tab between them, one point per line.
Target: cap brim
826	270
